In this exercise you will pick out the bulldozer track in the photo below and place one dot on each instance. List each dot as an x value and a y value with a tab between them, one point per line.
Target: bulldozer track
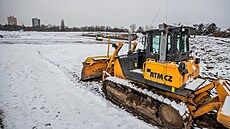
140	103
129	109
147	106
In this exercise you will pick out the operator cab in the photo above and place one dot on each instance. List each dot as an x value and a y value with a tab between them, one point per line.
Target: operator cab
168	43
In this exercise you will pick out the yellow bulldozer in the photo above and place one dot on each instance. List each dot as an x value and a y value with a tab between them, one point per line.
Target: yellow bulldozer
161	83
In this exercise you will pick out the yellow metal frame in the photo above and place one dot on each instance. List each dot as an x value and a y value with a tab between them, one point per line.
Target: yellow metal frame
109	67
215	103
134	46
167	73
93	67
118	71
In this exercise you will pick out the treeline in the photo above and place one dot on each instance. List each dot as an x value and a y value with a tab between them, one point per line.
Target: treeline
211	30
97	28
206	29
67	29
201	29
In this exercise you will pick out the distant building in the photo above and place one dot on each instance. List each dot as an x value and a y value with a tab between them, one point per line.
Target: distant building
35	22
12	20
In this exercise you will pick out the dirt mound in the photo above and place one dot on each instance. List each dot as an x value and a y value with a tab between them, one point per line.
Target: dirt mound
123	36
222	34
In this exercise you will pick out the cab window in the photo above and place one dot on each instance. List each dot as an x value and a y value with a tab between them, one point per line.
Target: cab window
156	44
169	49
178	43
182	43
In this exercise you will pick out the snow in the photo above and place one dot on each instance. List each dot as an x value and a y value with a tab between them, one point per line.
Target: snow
167	101
139	89
221	82
40	87
214	55
194	84
175	105
137	71
194	67
204	84
226	106
189	80
155	96
227	90
182	110
150	93
161	98
145	91
97	59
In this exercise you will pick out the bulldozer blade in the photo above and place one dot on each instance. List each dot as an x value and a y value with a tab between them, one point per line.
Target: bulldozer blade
93	67
223	115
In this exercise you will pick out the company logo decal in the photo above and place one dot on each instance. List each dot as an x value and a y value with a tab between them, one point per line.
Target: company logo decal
160	76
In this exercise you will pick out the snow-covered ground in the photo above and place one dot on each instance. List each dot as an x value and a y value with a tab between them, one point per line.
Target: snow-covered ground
40	87
214	54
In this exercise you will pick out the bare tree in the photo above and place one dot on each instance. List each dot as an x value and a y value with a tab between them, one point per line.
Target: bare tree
62	25
140	29
133	27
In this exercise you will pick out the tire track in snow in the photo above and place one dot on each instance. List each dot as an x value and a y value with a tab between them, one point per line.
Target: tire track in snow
35	101
93	86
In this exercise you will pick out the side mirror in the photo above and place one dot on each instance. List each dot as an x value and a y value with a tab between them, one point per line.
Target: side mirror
197	61
182	68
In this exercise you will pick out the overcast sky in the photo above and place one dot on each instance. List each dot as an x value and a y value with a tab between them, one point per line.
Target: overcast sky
120	13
